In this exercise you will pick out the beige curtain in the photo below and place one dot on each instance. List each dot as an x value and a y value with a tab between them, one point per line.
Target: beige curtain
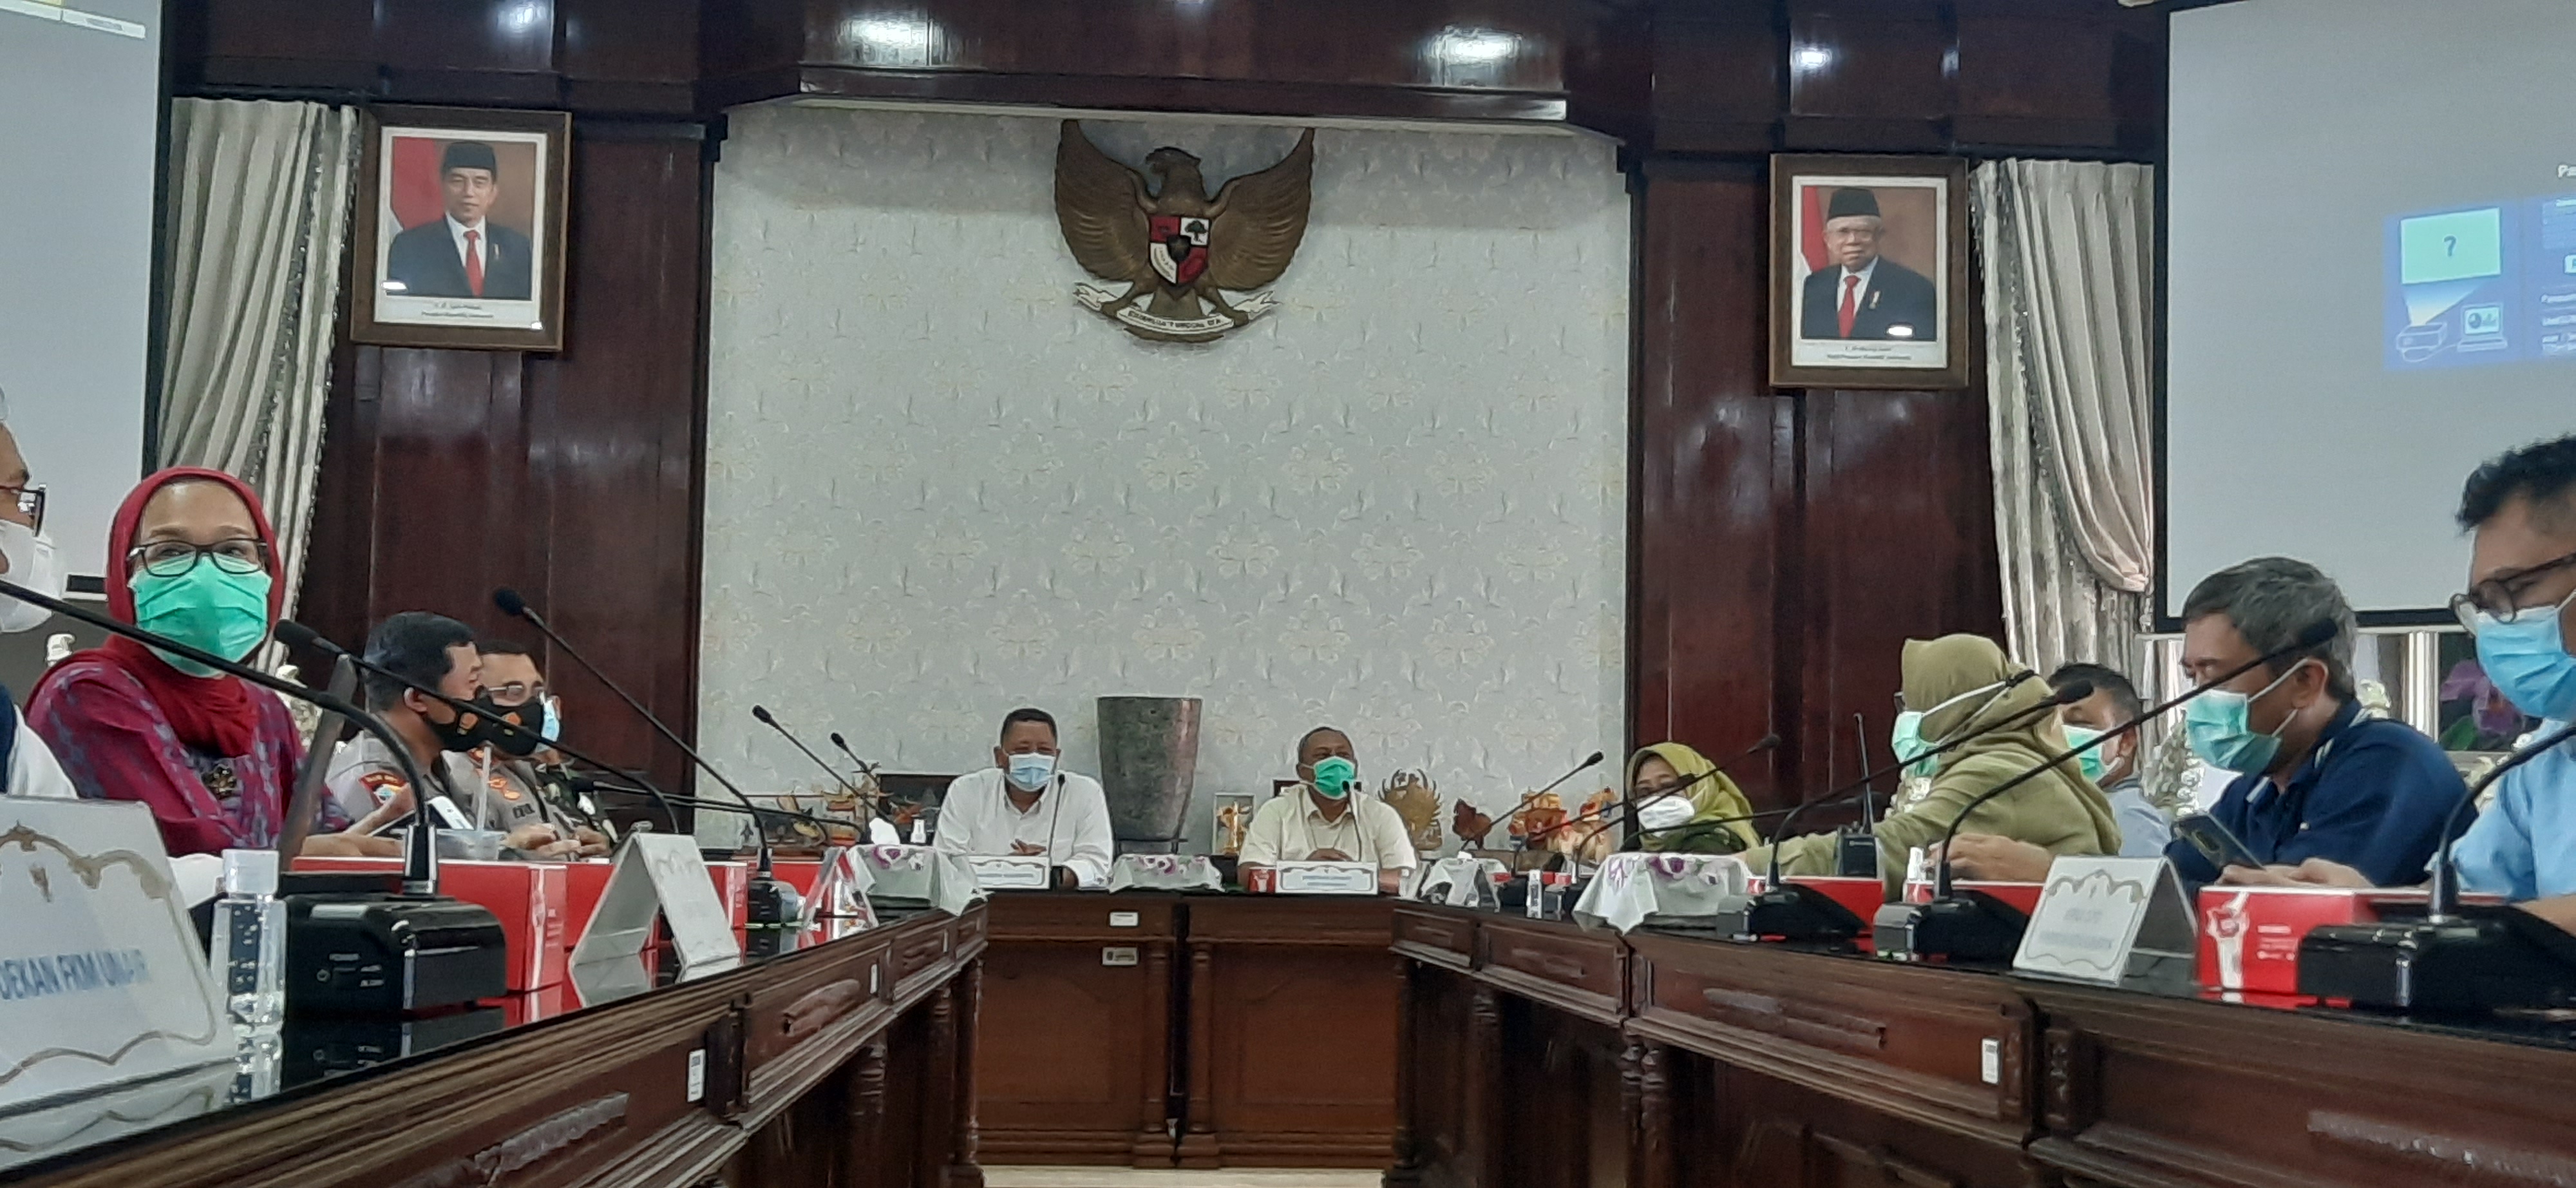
258	218
2069	254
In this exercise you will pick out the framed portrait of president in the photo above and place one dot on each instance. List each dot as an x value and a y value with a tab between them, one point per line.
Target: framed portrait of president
459	234
1869	272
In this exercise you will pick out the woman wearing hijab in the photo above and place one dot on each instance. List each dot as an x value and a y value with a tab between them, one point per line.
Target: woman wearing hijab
210	755
1962	684
1685	805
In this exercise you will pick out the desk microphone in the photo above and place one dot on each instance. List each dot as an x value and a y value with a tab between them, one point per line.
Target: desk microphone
771	720
420	860
865	768
1627	809
2454	960
1979	927
1795	911
773	903
501	730
1579	769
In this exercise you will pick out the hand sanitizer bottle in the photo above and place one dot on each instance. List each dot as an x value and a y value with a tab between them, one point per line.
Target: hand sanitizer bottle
249	950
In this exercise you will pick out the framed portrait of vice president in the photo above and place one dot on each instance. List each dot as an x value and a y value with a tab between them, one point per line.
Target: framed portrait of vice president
459	234
1869	272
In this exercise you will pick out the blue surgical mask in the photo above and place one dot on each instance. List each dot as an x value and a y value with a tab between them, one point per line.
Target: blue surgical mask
1906	741
1333	777
2528	661
205	608
1031	772
2217	725
2090	761
554	719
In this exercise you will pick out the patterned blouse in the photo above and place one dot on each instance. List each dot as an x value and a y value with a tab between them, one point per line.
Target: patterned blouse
115	744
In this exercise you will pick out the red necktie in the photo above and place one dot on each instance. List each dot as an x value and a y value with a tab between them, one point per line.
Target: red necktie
1851	299
474	277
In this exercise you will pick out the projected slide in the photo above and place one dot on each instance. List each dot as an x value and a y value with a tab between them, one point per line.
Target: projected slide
2482	284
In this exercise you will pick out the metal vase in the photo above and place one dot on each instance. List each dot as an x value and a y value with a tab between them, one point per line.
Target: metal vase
1149	754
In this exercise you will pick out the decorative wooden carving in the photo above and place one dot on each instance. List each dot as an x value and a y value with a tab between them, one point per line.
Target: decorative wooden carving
1407	1168
1482	1132
2442	1157
1653	1164
867	1098
528	1148
808	1014
2062	1104
1804	1022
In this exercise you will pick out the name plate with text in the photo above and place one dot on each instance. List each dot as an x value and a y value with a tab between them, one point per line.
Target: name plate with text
1327	878
1010	872
2112	922
102	977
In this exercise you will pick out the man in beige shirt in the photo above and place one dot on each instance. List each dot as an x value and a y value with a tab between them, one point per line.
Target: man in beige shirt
1327	819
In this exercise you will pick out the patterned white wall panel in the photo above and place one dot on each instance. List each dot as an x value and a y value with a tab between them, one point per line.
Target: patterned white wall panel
938	488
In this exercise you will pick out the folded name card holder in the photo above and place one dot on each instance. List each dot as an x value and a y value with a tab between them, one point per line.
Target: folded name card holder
841	890
659	875
2118	922
1327	878
1164	872
103	980
1011	872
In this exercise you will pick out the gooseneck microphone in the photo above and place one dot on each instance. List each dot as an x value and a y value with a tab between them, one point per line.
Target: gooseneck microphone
1978	927
865	768
2470	960
1627	810
420	859
773	903
1552	786
2075	691
297	635
771	720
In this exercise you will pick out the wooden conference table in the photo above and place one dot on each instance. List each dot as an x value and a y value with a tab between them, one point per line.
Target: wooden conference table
846	1062
1537	1055
1161	1029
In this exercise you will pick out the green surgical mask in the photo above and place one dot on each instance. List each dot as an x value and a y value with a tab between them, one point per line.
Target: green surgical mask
1907	740
1333	777
2090	761
205	608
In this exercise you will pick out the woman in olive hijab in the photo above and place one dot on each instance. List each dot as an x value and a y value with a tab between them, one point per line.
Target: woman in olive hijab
1963	683
1685	804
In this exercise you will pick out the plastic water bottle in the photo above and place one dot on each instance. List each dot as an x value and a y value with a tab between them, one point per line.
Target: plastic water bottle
249	949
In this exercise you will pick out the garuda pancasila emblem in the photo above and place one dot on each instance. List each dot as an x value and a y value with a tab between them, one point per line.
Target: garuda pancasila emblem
1172	245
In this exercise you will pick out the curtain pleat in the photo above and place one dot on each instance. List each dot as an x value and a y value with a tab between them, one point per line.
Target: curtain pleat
258	218
2069	252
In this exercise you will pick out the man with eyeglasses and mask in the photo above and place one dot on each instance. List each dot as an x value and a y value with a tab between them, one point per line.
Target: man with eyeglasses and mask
526	775
2521	512
26	559
2315	778
439	652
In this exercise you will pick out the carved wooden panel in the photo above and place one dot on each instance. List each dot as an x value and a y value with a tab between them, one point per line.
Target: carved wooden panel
1559	964
1909	1041
1301	1044
1438	935
2167	1092
1767	1132
1074	1060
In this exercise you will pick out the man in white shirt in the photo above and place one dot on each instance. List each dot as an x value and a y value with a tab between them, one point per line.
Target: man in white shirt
1324	821
1026	803
26	559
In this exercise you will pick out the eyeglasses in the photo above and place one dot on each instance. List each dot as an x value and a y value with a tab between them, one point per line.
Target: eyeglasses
171	558
2495	597
31	503
516	693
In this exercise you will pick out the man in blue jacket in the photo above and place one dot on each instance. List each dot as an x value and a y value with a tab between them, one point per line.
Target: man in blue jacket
2315	778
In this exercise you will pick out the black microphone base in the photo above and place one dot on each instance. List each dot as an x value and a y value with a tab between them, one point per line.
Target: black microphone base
1965	926
771	916
2476	963
1791	912
390	955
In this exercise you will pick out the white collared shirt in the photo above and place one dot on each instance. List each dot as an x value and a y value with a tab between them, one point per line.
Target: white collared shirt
1859	296
1290	826
1071	820
481	249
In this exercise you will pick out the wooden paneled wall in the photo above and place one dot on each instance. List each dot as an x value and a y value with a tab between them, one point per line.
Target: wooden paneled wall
1784	542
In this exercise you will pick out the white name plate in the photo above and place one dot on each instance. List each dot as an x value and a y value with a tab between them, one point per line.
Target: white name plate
1327	878
2111	922
1010	872
659	874
102	977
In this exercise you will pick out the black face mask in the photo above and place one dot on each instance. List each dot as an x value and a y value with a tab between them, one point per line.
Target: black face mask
456	734
528	716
